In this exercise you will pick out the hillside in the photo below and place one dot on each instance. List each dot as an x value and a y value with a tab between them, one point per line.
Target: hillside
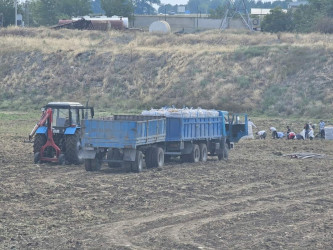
285	74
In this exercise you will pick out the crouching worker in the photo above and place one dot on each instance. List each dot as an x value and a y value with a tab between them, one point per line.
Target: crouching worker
274	133
279	135
262	134
299	137
291	135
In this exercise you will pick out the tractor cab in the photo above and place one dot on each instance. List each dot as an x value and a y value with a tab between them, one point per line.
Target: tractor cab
68	115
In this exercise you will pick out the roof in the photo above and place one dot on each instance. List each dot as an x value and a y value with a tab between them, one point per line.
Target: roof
297	4
65	104
258	11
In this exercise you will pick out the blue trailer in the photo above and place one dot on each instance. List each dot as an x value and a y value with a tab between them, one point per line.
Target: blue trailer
127	139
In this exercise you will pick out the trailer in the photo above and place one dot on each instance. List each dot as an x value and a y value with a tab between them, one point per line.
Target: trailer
130	140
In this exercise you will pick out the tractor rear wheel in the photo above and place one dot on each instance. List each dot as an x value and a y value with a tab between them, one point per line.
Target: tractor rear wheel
73	147
39	142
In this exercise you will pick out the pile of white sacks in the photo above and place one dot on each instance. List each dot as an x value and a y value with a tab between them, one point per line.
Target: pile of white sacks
184	112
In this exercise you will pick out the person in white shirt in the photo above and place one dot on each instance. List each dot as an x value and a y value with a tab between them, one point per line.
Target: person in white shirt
274	133
250	123
250	133
262	134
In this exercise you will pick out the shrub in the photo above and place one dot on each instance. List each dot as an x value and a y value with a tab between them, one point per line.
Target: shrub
324	25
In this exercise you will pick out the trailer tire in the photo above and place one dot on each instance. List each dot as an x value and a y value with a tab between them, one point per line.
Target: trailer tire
114	154
39	142
148	159
96	164
195	154
157	157
137	165
203	152
87	164
73	146
224	155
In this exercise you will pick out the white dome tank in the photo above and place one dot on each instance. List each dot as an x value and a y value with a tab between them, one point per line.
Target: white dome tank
160	27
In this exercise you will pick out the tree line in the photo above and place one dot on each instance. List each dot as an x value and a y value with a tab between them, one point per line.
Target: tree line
316	16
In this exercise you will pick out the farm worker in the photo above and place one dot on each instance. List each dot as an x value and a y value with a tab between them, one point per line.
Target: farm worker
299	137
274	133
288	131
279	135
307	130
310	134
322	129
250	124
262	134
291	135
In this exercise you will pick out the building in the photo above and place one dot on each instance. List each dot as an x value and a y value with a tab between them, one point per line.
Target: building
295	5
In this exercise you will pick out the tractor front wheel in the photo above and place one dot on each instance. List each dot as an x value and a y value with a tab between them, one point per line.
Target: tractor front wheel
39	142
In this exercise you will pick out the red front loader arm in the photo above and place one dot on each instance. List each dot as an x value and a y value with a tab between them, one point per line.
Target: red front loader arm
47	116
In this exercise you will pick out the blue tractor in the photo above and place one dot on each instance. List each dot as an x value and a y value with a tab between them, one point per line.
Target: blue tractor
57	134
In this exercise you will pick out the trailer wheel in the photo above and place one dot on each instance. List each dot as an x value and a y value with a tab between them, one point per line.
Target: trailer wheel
224	155
137	165
73	146
96	164
195	154
203	152
39	142
154	157
157	157
114	154
87	164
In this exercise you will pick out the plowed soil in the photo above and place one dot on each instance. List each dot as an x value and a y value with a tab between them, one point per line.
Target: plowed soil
258	199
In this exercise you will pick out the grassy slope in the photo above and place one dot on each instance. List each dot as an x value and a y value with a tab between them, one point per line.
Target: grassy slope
126	71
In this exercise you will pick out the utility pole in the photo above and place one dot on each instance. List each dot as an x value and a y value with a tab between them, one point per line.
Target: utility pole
236	8
15	6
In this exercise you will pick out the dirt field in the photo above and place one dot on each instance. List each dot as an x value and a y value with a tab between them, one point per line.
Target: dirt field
257	200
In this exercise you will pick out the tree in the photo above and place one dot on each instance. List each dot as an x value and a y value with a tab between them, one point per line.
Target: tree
96	7
218	12
277	21
48	12
117	7
315	16
197	6
69	8
44	12
8	11
145	6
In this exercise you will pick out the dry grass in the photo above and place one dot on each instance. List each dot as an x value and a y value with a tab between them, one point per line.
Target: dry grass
126	70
